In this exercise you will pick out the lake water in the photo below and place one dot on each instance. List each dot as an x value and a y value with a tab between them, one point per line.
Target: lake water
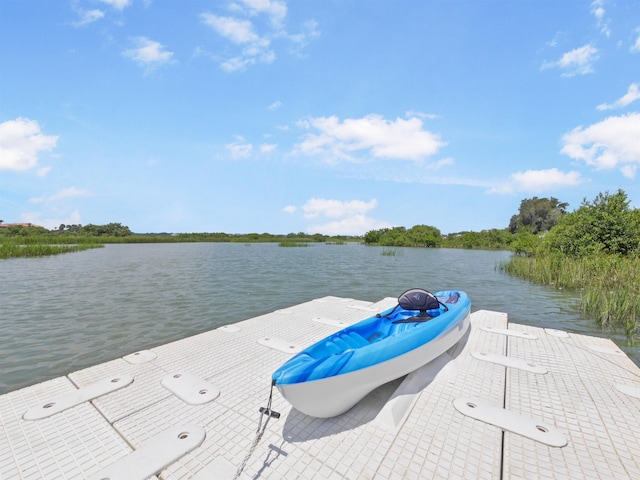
66	312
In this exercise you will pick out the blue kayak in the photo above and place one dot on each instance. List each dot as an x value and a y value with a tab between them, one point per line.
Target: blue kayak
332	375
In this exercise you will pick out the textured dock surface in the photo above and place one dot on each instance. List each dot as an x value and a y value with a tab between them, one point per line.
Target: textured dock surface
531	386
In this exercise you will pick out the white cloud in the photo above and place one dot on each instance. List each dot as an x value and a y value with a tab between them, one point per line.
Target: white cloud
335	208
553	42
87	17
597	8
43	171
536	181
629	171
635	48
21	142
240	32
236	64
345	217
239	148
276	11
72	218
300	40
275	105
61	195
117	4
424	116
268	147
355	225
598	11
237	31
437	172
443	162
611	143
55	210
631	96
578	61
540	180
248	30
290	209
370	136
148	54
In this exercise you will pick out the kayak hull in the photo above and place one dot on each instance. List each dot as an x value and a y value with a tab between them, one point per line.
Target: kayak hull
335	394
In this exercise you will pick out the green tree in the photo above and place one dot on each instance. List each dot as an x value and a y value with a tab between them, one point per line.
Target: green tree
525	243
394	237
108	230
537	215
605	225
372	237
423	236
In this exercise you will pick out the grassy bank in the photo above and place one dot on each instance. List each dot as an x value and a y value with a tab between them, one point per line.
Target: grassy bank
291	243
16	248
609	285
21	241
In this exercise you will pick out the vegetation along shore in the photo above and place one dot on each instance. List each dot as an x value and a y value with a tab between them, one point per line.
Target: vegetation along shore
594	250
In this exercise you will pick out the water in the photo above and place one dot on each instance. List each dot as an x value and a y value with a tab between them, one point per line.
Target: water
66	312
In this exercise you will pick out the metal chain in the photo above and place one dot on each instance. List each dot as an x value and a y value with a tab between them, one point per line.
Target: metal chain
259	432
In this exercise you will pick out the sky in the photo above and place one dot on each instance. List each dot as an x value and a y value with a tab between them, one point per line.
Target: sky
318	116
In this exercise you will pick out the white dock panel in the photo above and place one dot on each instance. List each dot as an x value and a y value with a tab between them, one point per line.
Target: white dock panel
577	395
243	374
436	441
403	430
145	389
71	444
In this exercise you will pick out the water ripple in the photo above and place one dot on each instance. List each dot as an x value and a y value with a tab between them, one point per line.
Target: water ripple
67	312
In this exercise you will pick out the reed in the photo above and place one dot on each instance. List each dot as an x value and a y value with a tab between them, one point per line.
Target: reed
392	252
609	285
13	249
292	243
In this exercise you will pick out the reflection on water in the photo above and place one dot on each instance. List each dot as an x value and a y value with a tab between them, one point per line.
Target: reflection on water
66	312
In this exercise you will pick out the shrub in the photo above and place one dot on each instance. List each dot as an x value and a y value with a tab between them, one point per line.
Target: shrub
606	225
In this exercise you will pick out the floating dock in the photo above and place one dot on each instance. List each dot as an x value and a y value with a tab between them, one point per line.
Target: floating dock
509	401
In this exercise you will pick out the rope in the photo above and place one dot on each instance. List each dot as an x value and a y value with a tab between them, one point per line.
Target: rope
259	432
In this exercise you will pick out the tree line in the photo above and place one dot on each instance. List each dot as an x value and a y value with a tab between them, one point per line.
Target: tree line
605	225
90	230
118	233
594	250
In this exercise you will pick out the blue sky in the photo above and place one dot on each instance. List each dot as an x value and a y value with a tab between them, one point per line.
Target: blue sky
336	117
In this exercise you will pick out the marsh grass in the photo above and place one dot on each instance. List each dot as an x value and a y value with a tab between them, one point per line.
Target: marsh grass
292	243
15	248
392	252
609	285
